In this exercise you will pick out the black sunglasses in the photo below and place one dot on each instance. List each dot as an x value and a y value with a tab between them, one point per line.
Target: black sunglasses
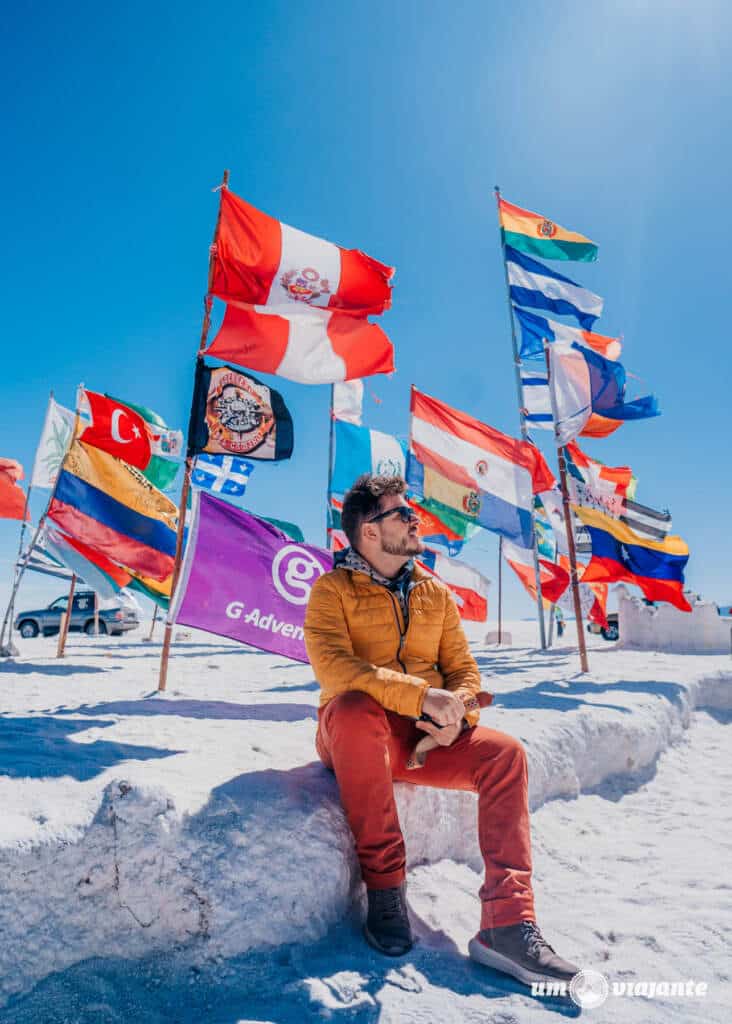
406	514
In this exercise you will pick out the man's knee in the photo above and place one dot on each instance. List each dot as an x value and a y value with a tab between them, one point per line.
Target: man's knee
354	708
497	744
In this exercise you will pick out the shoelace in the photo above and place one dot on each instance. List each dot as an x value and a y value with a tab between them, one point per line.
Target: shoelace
535	941
389	903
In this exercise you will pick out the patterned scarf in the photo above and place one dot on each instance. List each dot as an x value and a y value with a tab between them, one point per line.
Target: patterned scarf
400	585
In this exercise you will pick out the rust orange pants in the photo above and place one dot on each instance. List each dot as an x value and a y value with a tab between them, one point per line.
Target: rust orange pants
367	747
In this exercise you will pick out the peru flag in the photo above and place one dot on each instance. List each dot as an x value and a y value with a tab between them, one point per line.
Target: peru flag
117	429
260	260
310	346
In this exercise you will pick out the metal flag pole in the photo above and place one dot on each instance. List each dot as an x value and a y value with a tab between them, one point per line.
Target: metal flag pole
561	458
500	588
524	429
205	327
330	465
6	651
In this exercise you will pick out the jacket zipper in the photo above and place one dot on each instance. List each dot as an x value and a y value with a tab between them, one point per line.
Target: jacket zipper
402	634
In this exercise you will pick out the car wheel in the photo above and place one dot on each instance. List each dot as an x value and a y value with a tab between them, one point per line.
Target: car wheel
28	629
611	632
89	628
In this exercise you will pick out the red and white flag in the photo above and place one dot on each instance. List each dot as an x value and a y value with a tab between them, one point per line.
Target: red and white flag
554	578
260	260
117	429
310	346
296	304
468	586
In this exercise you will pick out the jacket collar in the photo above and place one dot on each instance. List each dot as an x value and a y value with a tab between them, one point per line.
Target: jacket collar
350	559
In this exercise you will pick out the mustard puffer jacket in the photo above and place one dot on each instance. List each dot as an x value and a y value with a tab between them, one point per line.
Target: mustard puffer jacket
356	640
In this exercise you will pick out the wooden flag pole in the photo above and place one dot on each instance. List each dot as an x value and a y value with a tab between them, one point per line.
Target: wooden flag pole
96	613
524	430
152	624
188	466
66	619
561	458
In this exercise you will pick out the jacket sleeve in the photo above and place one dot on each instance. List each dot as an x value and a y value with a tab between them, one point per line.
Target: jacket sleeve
339	670
457	665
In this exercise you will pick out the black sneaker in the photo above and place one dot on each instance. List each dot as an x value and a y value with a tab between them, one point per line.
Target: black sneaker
387	926
522	951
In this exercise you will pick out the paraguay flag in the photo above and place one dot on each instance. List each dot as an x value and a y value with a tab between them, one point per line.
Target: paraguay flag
620	555
478	471
535	285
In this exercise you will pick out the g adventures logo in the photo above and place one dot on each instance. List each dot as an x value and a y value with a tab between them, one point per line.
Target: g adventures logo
294	570
238	414
304	285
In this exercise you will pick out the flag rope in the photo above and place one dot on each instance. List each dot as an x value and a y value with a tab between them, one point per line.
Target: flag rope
524	429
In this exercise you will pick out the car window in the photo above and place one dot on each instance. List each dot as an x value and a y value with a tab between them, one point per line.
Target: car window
60	604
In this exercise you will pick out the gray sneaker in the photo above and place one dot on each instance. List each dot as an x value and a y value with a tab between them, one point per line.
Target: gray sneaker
522	951
387	926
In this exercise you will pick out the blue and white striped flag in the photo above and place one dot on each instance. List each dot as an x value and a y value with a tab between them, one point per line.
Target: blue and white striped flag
535	285
222	474
537	401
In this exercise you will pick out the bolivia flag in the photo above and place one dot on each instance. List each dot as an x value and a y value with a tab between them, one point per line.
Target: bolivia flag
530	232
110	506
261	261
620	555
468	586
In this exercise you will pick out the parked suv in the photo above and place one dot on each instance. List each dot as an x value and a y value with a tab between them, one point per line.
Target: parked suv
609	632
48	620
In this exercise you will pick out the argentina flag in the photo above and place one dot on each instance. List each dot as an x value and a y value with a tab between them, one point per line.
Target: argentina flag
222	474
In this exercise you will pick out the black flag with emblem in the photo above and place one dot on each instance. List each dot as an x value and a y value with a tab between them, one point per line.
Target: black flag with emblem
233	413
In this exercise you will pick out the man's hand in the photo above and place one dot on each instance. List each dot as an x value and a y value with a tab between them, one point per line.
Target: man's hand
445	736
443	707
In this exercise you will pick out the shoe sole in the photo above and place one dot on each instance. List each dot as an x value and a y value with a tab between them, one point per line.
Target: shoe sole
387	951
490	958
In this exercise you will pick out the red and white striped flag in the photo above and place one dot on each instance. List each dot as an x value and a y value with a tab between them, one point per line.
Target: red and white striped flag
297	304
310	346
264	262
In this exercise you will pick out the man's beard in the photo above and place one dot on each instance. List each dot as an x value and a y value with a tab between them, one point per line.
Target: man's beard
408	547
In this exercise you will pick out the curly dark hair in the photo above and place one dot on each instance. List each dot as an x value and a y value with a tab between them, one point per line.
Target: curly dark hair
362	501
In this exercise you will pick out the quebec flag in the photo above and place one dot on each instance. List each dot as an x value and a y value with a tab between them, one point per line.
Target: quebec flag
222	474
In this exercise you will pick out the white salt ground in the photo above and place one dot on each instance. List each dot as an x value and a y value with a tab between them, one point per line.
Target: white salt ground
225	836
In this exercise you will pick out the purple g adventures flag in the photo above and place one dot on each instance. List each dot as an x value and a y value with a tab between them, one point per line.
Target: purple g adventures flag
245	579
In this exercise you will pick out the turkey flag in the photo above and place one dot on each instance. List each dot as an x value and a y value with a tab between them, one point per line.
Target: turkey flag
117	429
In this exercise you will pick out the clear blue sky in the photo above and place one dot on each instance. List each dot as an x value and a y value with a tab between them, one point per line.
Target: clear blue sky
380	126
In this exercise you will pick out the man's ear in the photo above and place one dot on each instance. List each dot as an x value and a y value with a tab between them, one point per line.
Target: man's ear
369	531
